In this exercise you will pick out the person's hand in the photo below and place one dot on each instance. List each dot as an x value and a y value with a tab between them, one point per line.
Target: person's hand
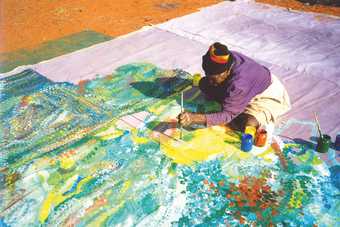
186	118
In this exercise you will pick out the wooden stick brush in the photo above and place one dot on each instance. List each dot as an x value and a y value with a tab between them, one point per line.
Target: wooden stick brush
318	124
181	135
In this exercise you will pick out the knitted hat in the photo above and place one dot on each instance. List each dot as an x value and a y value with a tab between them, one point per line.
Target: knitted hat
218	59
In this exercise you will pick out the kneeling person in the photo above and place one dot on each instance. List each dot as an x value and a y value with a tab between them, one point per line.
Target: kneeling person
248	93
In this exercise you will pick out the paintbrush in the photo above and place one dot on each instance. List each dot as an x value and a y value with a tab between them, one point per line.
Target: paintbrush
318	124
277	150
181	135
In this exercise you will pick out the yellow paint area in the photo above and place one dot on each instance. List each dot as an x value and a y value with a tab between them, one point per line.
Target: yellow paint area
27	99
111	133
125	186
267	154
137	139
297	196
54	198
203	144
207	143
310	157
317	161
67	163
157	110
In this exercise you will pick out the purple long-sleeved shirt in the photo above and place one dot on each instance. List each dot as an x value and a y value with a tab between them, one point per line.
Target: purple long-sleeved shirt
248	79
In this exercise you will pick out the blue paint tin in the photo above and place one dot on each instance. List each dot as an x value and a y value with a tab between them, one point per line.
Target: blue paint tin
337	142
246	142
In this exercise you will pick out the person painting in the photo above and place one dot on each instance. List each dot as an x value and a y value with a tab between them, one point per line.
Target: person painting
248	93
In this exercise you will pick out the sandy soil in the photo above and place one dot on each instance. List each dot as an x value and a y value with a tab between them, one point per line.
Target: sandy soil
28	23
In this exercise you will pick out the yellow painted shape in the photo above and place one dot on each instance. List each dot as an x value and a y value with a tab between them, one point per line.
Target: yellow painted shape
250	130
137	139
196	79
67	163
81	183
204	144
125	187
152	177
157	110
27	99
296	200
110	133
304	157
316	160
269	151
54	198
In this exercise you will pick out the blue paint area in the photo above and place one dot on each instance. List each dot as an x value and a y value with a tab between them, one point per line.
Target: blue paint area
296	149
74	186
335	176
2	223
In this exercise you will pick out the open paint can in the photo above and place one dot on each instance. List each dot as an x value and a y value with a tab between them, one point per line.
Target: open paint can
246	142
196	79
261	138
323	143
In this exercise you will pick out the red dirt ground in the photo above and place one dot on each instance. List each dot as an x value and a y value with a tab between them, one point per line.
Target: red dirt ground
28	23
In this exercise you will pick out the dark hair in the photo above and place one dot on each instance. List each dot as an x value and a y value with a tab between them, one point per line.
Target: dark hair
218	59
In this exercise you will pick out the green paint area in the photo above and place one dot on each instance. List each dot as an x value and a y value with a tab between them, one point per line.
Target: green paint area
50	49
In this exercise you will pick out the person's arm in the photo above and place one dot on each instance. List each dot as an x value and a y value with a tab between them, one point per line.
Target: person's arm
231	107
187	118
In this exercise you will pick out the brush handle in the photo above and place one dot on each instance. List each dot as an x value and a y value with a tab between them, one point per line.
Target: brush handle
318	124
182	97
182	105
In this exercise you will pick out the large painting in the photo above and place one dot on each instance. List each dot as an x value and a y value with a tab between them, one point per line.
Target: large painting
109	152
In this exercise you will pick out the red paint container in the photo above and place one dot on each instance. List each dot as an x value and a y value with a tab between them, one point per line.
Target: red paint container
261	138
